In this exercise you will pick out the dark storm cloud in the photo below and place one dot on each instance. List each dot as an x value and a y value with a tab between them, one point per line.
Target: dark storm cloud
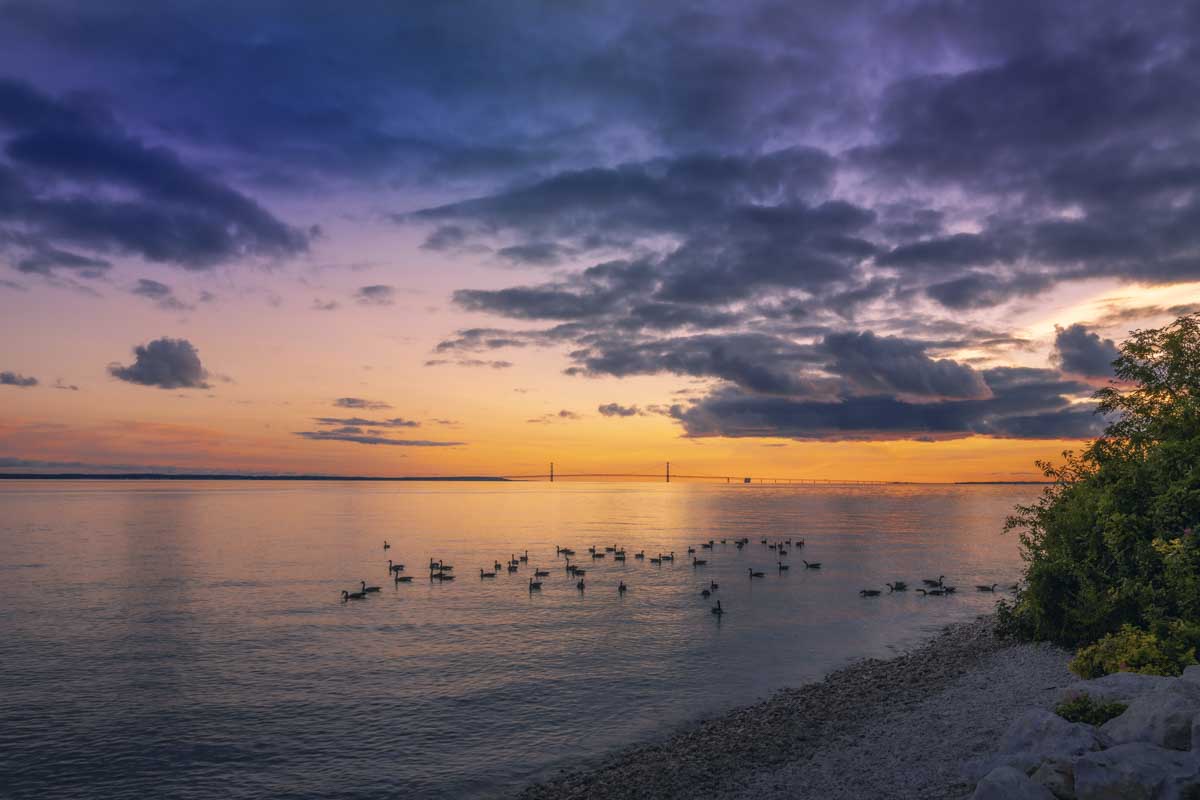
17	379
359	402
395	422
165	363
1081	352
161	294
75	178
876	365
376	295
356	436
618	410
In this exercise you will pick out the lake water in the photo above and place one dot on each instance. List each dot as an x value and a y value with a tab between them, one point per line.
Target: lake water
168	639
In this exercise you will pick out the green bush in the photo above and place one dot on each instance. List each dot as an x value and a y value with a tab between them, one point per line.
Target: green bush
1133	650
1085	709
1112	542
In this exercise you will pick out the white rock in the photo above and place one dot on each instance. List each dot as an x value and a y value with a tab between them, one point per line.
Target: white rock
1163	718
1119	687
1007	783
1137	771
1032	738
1058	777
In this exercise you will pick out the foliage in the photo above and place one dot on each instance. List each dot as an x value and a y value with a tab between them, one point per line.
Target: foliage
1134	650
1112	542
1085	709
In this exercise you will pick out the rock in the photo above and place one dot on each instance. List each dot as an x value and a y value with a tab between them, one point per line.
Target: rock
1191	675
1163	718
1119	687
1058	777
1035	736
1137	771
1007	783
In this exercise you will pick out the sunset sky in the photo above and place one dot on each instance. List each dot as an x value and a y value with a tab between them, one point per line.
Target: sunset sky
845	240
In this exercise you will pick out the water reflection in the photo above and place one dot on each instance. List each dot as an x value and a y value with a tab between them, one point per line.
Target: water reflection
191	636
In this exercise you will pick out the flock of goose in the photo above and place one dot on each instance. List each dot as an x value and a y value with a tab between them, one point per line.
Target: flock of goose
441	571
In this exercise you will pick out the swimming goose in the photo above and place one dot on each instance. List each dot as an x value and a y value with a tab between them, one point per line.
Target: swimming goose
540	573
512	568
366	588
621	587
898	586
353	595
598	554
983	588
403	578
525	557
705	593
640	556
717	609
869	592
619	557
949	589
497	566
386	546
668	558
713	585
579	573
698	562
395	567
811	564
754	574
764	541
707	546
657	561
566	551
740	544
612	549
772	547
513	560
799	543
931	582
782	552
782	566
534	585
691	550
483	574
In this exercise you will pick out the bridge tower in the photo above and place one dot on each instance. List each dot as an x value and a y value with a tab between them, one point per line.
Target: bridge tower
668	472
552	472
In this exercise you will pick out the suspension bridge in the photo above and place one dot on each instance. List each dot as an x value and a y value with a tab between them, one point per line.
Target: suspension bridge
666	475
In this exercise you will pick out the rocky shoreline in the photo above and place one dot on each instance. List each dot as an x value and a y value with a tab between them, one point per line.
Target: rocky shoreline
900	727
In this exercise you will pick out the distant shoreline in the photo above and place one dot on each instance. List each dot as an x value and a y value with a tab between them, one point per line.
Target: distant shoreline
156	476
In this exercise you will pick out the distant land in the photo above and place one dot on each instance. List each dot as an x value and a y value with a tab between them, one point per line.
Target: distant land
170	476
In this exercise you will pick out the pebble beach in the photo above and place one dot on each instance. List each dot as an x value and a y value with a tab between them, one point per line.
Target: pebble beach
900	727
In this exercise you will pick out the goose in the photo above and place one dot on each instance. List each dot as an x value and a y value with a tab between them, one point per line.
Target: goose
512	568
446	577
353	595
366	588
983	588
869	592
717	609
782	566
764	541
754	574
657	561
592	549
772	547
525	557
579	585
714	585
386	546
691	550
579	573
705	593
640	556
483	574
707	546
799	543
404	579
395	567
621	587
949	589
722	541
541	573
619	557
612	549
787	542
445	567
566	551
534	585
497	566
597	555
513	560
782	552
931	582
619	553
668	558
811	564
698	562
898	586
740	544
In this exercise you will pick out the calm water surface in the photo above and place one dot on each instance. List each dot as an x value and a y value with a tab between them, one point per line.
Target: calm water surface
187	640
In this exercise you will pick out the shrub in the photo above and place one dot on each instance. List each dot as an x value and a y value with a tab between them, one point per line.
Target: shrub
1112	542
1085	709
1134	650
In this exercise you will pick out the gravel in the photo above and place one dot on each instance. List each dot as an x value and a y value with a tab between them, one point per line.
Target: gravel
899	727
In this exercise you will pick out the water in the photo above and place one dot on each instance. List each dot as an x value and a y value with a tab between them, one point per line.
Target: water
187	640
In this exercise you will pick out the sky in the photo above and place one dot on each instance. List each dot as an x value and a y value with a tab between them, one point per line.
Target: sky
876	240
